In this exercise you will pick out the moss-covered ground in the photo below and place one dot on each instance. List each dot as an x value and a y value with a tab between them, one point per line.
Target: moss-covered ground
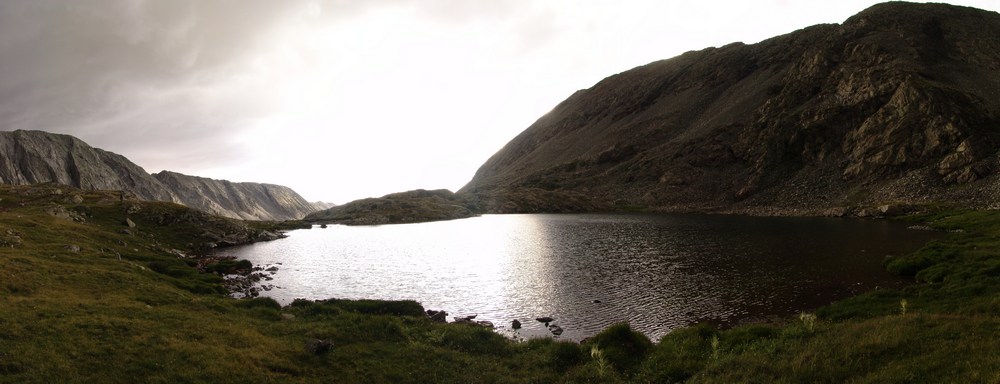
84	297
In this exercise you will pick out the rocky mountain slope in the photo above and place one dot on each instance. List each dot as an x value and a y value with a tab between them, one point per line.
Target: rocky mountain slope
899	104
30	157
248	201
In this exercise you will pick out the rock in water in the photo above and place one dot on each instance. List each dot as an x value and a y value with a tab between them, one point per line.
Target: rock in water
438	316
555	329
515	324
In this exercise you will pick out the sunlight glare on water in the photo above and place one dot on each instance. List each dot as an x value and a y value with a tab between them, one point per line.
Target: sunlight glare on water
657	272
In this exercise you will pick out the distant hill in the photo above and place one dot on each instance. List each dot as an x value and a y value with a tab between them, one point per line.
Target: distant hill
899	104
404	207
30	157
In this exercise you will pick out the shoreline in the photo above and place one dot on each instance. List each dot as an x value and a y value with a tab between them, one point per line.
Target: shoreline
258	283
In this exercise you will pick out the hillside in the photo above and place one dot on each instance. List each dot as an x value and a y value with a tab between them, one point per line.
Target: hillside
403	207
97	289
899	104
248	201
30	157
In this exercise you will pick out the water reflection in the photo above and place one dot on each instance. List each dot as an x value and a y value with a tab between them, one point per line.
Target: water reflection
658	272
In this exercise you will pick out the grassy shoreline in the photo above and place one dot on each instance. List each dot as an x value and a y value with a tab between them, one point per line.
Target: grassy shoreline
85	297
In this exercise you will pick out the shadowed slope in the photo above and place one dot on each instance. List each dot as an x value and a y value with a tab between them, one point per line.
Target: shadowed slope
898	103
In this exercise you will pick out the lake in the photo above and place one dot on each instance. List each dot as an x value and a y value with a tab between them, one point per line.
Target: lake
588	271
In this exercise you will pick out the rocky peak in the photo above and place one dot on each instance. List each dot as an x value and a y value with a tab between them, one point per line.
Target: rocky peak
30	157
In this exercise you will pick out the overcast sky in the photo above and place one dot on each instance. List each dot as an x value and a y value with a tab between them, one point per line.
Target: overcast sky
341	99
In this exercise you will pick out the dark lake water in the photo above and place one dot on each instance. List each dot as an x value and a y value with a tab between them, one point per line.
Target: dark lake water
588	271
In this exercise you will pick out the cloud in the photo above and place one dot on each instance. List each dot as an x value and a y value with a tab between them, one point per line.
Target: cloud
176	83
143	77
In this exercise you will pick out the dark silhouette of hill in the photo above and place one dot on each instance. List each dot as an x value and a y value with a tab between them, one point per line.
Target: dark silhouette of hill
899	104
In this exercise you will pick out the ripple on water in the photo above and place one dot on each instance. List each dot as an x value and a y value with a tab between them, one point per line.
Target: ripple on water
657	272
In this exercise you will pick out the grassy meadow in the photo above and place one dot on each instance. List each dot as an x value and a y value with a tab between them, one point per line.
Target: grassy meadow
96	288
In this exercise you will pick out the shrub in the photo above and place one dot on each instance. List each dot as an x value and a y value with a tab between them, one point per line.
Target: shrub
908	266
312	308
475	340
259	302
563	356
682	353
622	347
378	307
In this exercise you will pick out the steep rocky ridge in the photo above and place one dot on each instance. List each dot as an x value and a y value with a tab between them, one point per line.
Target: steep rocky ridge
900	103
30	157
248	201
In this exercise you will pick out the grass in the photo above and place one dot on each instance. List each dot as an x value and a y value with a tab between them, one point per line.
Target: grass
142	304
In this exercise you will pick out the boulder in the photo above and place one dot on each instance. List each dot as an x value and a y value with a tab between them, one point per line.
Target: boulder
438	316
318	346
555	329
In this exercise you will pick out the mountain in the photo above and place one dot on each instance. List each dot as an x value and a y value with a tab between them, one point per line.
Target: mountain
899	104
30	157
248	201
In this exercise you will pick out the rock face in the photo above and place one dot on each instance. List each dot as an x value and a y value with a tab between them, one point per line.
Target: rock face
31	157
248	201
898	104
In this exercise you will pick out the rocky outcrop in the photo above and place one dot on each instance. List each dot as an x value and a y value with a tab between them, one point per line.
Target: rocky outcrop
899	104
31	157
248	201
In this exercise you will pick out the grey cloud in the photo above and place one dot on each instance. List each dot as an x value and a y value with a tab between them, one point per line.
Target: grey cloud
452	11
135	76
128	74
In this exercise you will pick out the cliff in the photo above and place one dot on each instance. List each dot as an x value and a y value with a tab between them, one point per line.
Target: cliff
899	104
30	157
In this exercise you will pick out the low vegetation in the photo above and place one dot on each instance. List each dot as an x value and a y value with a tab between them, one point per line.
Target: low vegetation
398	208
85	296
